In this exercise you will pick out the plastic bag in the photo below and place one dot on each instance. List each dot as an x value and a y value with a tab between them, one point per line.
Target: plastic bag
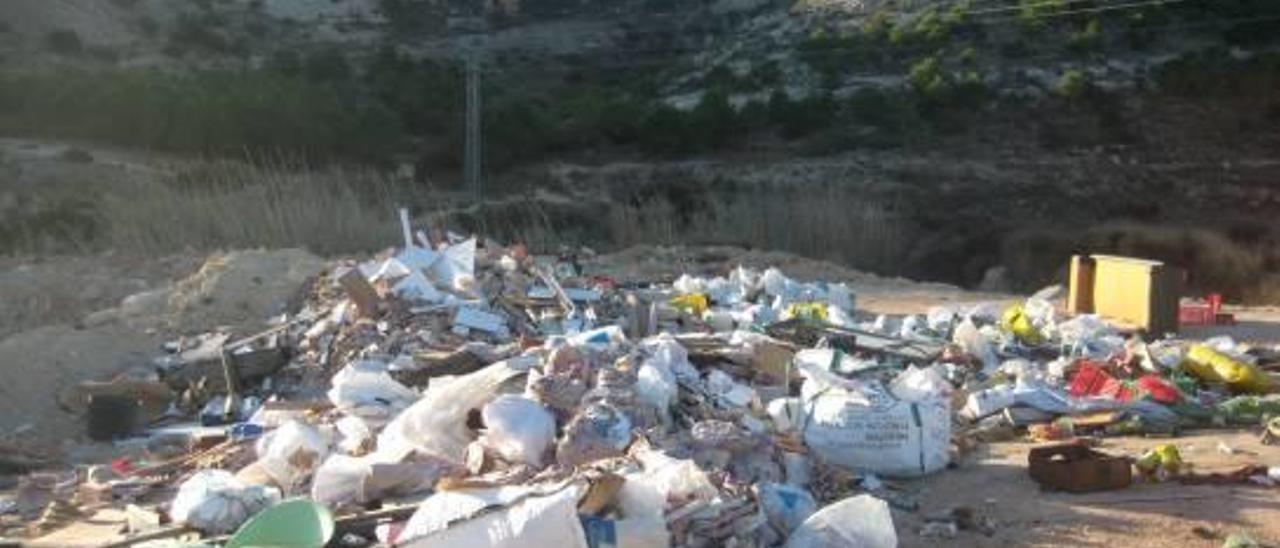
917	384
664	349
940	318
365	388
786	506
291	452
656	386
215	502
645	493
861	522
1015	320
337	481
517	428
1213	366
975	343
437	423
357	438
597	431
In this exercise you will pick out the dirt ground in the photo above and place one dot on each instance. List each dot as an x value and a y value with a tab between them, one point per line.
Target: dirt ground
993	481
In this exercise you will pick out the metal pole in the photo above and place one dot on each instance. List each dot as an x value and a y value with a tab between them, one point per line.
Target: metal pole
474	141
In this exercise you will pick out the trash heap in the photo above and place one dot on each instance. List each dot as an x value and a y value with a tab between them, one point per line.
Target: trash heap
455	393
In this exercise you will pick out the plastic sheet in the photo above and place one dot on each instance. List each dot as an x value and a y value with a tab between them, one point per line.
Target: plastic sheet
436	424
215	502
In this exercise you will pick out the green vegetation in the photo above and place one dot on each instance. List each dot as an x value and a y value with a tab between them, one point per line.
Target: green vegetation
1072	84
1086	39
210	111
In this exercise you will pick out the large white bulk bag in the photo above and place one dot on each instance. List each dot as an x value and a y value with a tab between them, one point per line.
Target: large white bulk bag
862	427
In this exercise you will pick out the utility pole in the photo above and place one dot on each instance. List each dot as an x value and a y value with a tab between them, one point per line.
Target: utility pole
475	141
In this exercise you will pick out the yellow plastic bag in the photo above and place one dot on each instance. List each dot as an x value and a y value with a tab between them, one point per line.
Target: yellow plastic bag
694	304
1015	321
1160	462
1210	365
810	311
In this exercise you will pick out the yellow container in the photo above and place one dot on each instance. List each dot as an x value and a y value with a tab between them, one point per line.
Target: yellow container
1015	321
1210	365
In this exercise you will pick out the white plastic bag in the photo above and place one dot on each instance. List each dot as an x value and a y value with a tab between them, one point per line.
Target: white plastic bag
356	434
919	384
856	522
863	427
656	386
215	502
291	452
365	388
644	494
437	423
517	428
786	506
664	349
337	481
977	344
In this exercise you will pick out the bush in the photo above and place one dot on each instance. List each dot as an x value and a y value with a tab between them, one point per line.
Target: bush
63	42
1072	84
927	78
1035	13
1086	39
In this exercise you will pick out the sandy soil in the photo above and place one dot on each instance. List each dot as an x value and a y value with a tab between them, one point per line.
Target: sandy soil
994	482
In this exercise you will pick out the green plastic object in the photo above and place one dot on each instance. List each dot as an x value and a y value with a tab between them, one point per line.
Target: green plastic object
294	523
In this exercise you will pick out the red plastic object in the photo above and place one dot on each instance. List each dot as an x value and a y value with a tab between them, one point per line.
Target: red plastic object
1208	312
1160	390
1092	380
122	466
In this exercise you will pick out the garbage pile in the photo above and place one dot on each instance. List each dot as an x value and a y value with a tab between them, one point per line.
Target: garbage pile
457	392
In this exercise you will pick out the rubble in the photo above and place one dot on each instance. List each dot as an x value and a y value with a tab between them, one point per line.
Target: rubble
456	391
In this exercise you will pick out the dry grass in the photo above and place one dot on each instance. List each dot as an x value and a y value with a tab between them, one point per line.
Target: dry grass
1213	261
826	223
234	205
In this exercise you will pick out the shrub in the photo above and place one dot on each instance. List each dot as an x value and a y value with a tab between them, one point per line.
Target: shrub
1086	39
1072	84
927	78
63	42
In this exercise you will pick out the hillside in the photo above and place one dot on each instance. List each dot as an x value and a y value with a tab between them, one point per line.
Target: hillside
973	142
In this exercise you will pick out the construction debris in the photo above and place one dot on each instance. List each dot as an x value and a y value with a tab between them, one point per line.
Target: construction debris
482	396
